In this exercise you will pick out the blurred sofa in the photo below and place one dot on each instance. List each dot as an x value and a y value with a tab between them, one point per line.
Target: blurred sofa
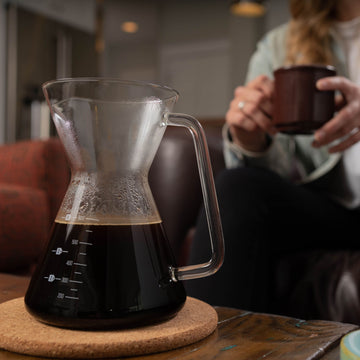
34	178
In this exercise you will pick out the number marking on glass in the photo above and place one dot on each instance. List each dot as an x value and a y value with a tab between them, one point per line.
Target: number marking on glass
69	278
51	278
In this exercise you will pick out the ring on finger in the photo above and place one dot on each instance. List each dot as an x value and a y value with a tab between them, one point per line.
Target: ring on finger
241	105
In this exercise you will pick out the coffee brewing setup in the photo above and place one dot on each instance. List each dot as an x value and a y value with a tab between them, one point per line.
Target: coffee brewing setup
108	263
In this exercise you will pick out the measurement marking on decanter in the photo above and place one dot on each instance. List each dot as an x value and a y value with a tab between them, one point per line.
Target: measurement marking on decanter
51	278
79	264
82	253
89	231
75	290
59	251
77	272
71	297
84	243
76	281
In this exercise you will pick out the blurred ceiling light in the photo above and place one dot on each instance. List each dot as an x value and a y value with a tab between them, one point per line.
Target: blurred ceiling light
248	8
130	27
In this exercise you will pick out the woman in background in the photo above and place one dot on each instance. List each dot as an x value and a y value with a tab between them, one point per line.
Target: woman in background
287	194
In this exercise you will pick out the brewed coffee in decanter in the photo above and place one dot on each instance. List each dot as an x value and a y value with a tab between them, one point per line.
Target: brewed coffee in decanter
108	262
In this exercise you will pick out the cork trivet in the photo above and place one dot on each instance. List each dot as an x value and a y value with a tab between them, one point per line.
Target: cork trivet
21	333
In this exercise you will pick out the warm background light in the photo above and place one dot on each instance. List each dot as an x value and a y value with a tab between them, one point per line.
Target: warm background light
130	27
248	8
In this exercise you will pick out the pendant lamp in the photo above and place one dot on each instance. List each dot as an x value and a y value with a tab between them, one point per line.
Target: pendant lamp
248	8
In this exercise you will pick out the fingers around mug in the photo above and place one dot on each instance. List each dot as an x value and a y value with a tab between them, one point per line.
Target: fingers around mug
346	120
259	117
263	84
340	102
245	95
347	142
248	116
237	118
339	83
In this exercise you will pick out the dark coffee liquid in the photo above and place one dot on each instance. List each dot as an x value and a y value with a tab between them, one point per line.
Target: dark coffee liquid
105	276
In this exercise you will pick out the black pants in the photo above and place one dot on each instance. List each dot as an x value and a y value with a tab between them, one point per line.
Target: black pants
264	216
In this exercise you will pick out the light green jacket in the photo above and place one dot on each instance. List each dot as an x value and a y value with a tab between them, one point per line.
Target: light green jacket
292	157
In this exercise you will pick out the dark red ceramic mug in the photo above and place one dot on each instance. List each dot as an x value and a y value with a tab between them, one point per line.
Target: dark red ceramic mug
299	107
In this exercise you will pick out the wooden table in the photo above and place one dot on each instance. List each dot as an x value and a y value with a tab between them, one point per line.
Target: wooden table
240	335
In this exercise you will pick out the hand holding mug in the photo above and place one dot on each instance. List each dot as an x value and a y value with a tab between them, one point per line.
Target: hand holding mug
250	112
345	125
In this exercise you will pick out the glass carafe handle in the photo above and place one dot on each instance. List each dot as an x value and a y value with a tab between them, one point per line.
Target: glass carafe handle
210	202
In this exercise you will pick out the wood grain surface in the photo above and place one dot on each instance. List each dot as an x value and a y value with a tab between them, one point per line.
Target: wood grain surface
240	335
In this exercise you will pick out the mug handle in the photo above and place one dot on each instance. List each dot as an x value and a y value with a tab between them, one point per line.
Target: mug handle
210	202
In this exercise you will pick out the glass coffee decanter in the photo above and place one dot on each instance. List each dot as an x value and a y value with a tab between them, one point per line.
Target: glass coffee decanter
108	263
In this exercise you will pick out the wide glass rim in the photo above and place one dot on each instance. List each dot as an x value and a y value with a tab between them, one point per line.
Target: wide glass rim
173	94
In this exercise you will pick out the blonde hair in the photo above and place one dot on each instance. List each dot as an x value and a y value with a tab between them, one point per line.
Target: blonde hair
308	40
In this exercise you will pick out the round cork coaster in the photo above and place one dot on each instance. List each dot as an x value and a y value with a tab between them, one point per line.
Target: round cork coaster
21	333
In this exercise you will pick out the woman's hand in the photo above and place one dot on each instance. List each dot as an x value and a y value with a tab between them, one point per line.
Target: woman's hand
346	123
249	114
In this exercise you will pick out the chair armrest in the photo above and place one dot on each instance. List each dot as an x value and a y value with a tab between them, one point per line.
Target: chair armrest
24	214
38	164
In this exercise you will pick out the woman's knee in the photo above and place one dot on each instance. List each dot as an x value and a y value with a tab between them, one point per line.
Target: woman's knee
245	184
